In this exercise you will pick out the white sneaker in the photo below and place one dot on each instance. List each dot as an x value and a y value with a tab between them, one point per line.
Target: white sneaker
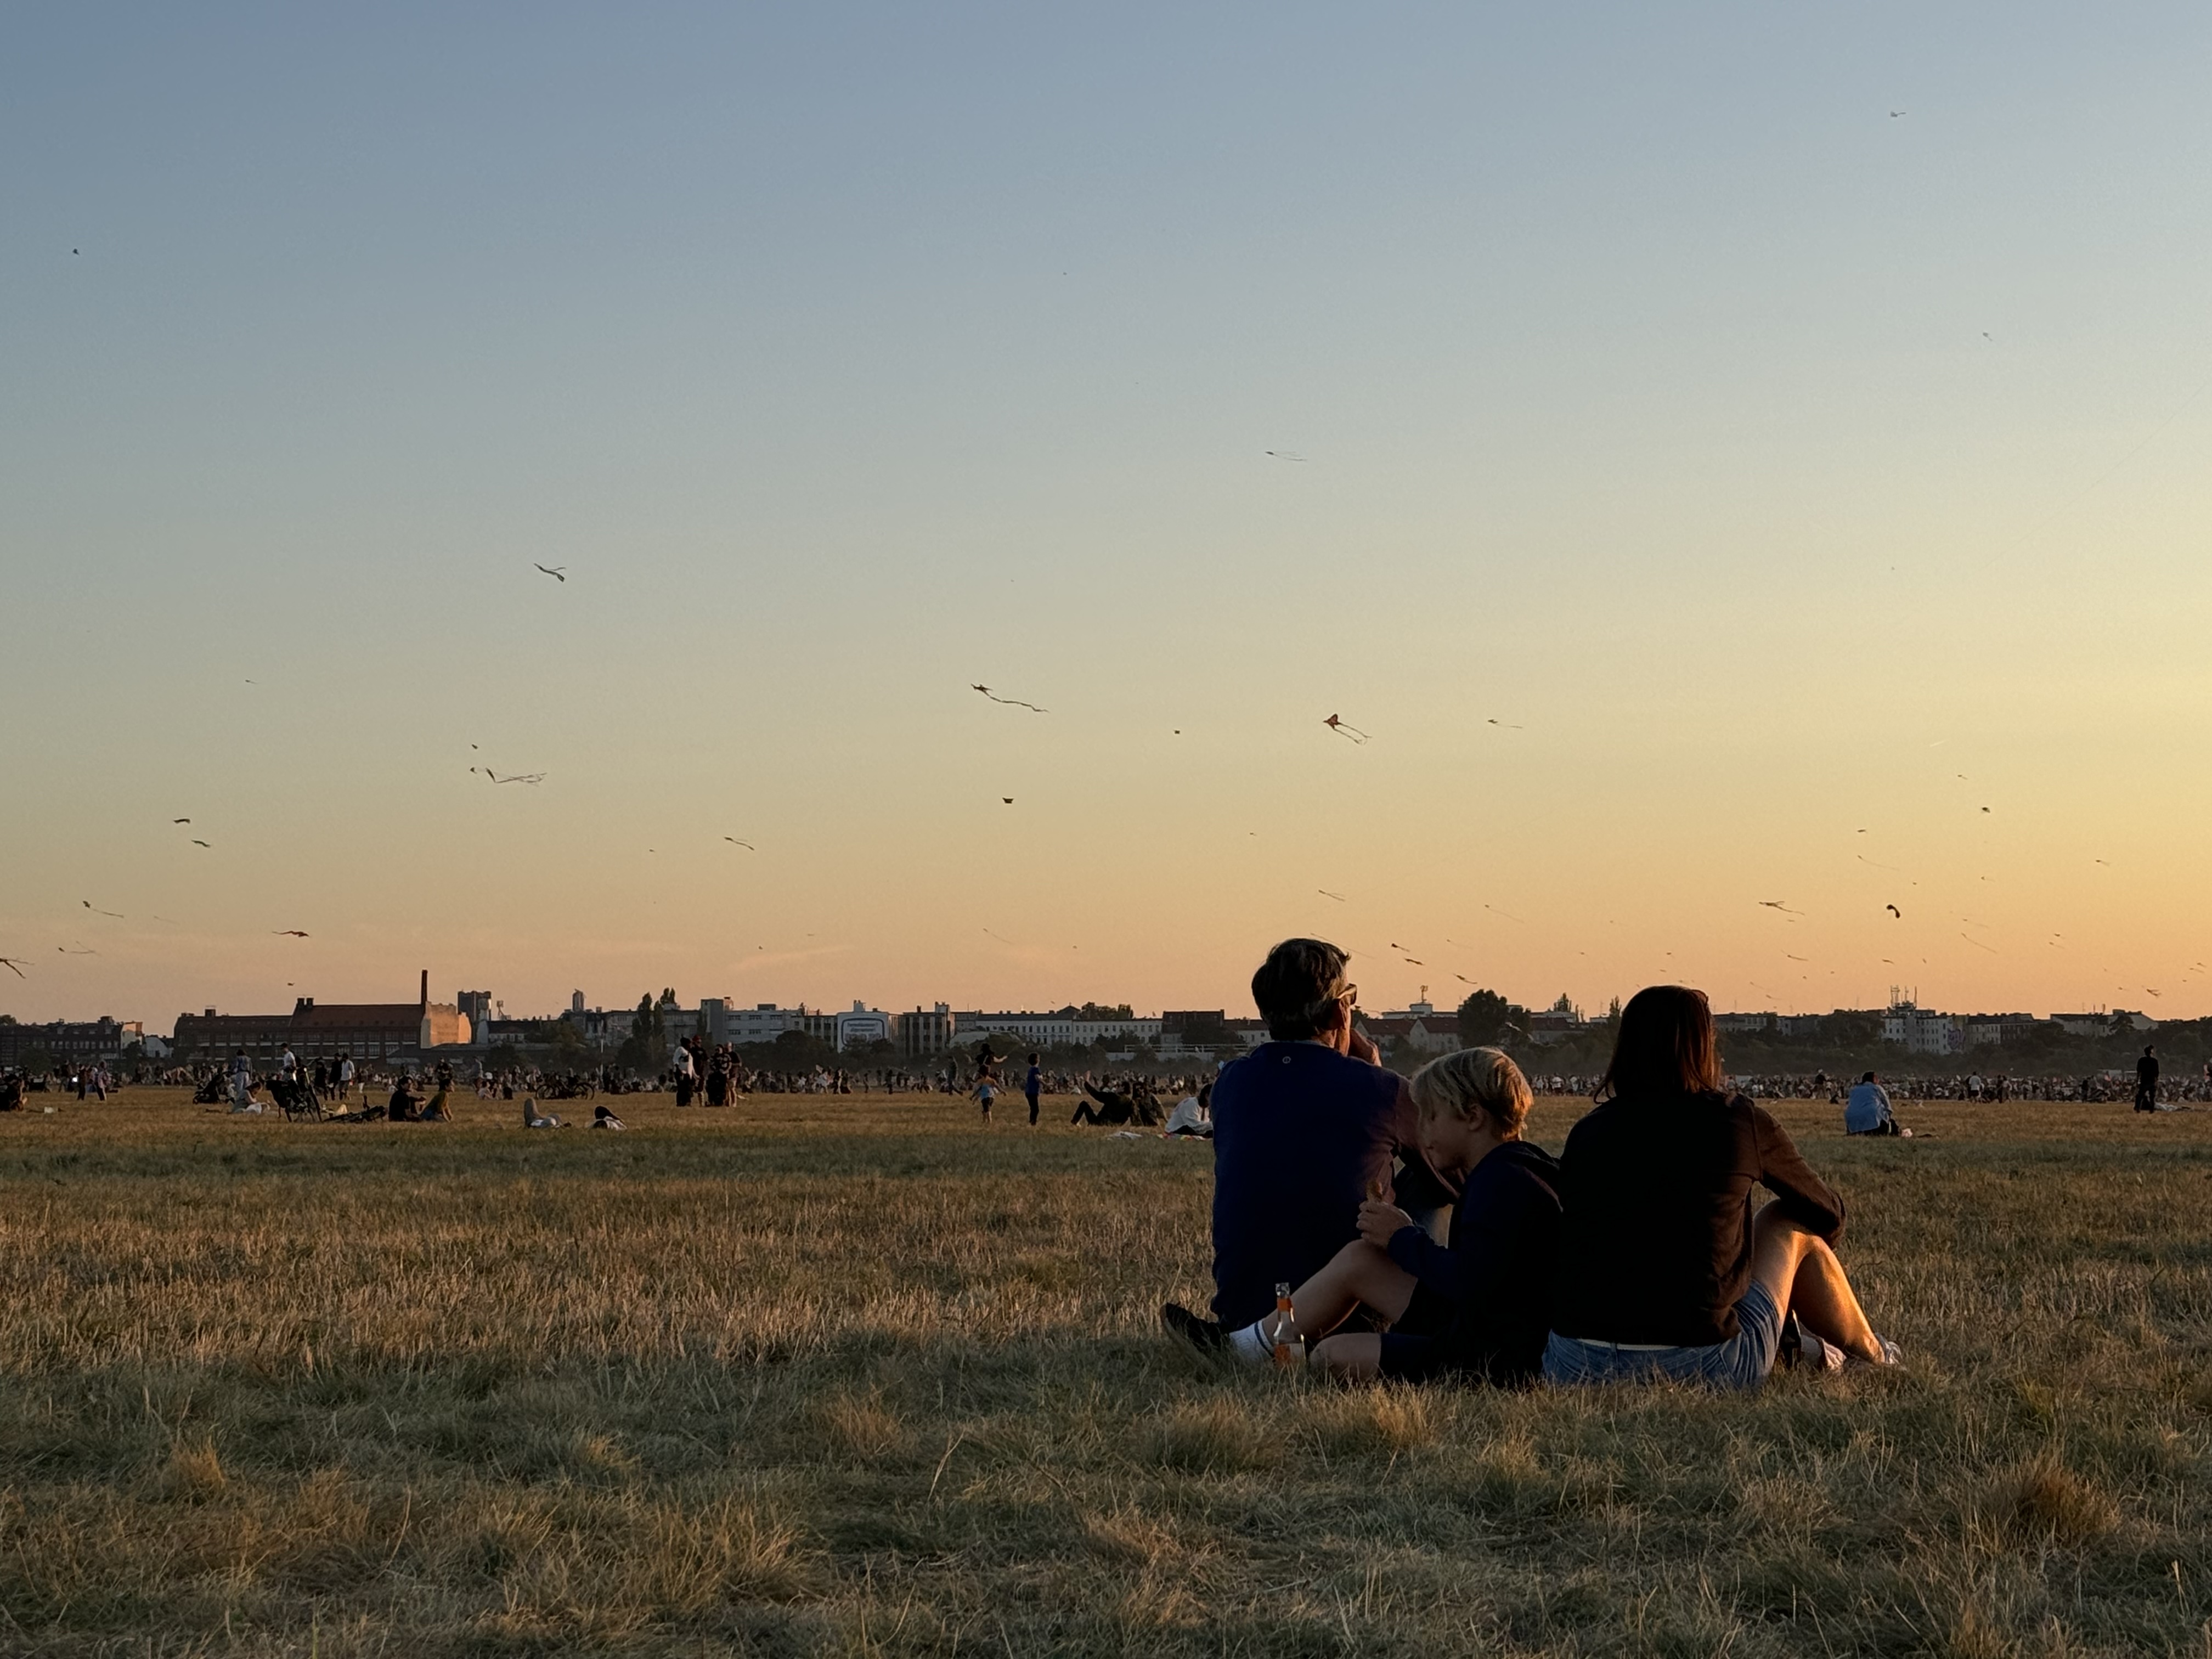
1891	1355
1817	1355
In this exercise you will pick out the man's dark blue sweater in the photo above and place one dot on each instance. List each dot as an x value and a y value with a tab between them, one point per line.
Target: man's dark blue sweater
1301	1135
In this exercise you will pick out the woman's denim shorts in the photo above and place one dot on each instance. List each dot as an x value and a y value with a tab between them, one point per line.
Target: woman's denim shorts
1742	1362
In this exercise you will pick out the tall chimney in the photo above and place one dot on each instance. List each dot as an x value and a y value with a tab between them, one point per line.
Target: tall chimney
426	990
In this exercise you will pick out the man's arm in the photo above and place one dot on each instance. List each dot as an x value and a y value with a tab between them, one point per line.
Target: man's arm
1418	1187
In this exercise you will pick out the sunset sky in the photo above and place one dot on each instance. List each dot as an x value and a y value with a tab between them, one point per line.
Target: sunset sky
1714	488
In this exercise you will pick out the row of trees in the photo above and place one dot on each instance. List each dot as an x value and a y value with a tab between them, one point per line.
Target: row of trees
1844	1041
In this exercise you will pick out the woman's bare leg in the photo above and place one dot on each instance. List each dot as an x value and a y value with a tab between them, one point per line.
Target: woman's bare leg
1358	1273
1803	1276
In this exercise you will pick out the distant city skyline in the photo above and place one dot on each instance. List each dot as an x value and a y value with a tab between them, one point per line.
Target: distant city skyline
536	492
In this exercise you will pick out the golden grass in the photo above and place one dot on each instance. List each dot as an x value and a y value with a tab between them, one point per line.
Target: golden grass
854	1377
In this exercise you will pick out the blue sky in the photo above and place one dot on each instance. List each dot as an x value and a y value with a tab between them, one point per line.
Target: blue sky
1771	463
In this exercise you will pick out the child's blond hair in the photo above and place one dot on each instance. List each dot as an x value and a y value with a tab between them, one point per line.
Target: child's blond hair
1458	1083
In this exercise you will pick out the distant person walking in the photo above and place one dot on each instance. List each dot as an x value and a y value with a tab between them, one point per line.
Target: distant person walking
1033	1086
2146	1081
1867	1112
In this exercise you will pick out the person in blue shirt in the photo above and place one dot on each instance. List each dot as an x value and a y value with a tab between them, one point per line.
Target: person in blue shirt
1033	1086
1306	1127
1867	1112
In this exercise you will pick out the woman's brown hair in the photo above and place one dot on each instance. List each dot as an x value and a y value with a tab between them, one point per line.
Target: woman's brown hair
1665	1046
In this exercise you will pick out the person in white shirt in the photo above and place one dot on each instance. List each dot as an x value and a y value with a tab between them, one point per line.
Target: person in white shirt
1192	1115
241	1081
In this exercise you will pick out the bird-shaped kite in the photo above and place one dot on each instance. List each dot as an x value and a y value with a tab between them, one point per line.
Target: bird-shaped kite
747	845
10	961
287	933
552	570
1895	911
1343	729
97	911
196	841
181	820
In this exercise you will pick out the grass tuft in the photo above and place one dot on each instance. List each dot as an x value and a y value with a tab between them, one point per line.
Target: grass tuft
1368	1422
194	1473
2043	1502
1219	1434
858	1427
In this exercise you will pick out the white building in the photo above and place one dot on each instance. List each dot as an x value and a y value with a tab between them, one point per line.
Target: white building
1921	1032
723	1021
1043	1029
863	1024
927	1031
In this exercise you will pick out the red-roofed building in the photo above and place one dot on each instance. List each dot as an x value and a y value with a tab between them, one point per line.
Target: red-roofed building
366	1030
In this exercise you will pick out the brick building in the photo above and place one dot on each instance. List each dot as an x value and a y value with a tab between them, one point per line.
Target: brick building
68	1041
366	1030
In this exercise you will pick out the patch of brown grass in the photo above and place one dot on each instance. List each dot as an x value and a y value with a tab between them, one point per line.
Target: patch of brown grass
850	1375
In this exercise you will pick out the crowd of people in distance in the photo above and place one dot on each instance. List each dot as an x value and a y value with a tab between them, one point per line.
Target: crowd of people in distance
1370	1226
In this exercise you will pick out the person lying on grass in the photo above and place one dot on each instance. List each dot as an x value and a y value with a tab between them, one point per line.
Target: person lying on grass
1478	1311
1304	1127
1664	1272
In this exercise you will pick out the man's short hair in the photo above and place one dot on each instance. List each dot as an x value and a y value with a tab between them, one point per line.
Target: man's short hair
1295	986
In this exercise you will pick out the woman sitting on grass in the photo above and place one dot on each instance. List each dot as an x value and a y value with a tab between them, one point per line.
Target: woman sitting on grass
1664	1270
1477	1311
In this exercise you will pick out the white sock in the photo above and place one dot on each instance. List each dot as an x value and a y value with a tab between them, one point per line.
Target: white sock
1254	1342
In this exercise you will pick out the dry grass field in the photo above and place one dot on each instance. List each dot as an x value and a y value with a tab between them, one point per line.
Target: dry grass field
851	1376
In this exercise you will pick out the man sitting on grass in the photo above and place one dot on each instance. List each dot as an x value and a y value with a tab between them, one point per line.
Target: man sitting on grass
1305	1127
1478	1311
1867	1112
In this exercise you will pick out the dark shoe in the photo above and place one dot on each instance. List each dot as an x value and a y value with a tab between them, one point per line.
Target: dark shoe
1203	1334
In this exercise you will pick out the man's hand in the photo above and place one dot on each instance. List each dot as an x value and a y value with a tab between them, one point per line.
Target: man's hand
1359	1045
1379	1221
